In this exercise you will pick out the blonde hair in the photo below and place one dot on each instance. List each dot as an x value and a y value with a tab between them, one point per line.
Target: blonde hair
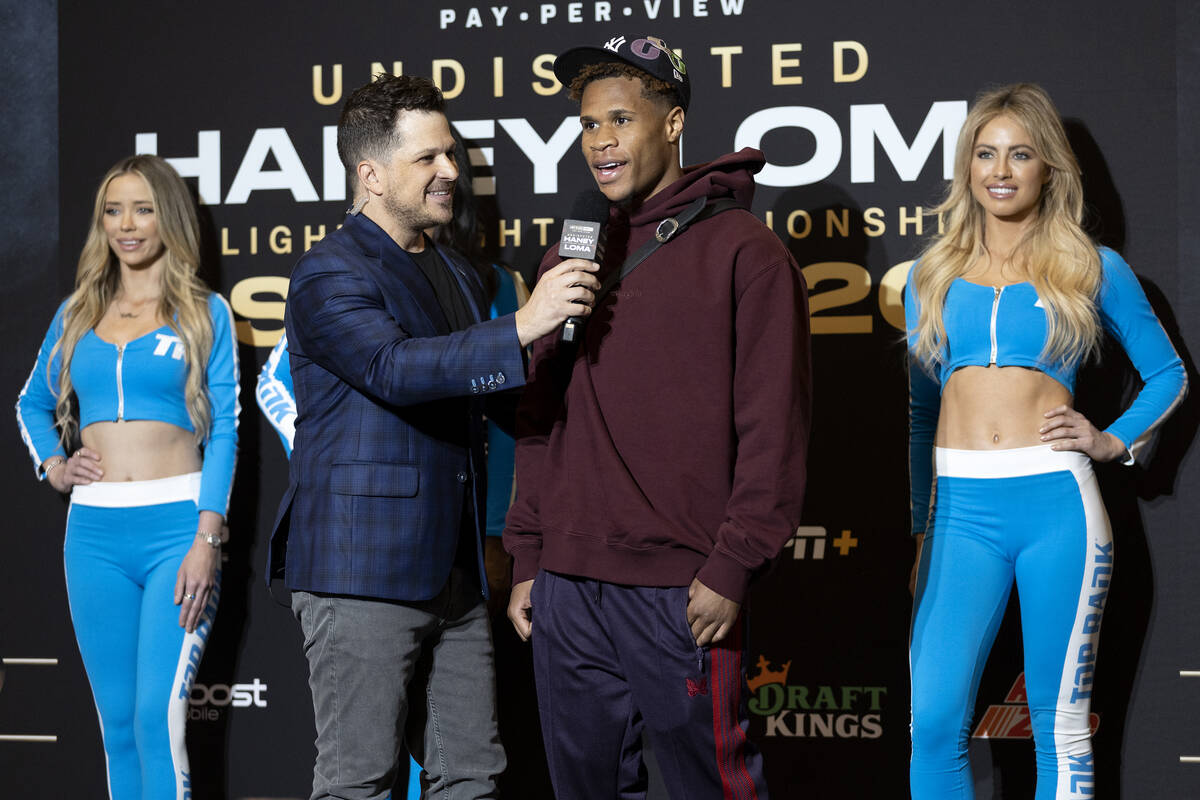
1061	261
184	300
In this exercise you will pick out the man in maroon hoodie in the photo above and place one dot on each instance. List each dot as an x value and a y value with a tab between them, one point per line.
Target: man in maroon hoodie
661	462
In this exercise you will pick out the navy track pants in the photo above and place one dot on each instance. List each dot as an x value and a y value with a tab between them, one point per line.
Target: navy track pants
612	661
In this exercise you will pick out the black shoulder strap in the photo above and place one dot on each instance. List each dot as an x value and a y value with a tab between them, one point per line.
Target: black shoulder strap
563	361
668	229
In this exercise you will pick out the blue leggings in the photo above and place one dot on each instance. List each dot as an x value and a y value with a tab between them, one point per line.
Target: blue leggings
124	545
1033	515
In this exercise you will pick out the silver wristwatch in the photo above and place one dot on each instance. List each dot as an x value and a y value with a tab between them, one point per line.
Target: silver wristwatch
213	539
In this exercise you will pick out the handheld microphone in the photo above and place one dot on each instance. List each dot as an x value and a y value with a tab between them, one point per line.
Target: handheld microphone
583	237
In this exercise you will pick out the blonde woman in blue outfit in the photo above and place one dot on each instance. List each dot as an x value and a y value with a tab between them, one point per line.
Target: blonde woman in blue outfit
1001	310
140	366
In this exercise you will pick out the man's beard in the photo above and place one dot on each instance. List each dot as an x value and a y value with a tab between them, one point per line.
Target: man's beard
416	216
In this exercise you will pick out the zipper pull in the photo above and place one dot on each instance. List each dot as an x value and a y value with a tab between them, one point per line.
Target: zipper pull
996	292
120	383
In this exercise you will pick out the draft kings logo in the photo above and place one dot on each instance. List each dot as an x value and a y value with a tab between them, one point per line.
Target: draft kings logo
817	712
1010	719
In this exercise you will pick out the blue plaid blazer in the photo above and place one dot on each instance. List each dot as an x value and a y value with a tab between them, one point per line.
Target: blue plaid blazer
389	428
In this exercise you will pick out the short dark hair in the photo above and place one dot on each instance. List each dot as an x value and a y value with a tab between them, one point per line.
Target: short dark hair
653	89
367	126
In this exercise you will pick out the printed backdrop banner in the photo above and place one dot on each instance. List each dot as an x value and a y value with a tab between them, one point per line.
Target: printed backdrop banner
856	107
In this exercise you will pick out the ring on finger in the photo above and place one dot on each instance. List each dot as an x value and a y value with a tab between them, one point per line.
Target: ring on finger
190	596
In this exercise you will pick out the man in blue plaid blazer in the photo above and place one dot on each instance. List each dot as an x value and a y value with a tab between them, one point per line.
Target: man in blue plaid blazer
379	533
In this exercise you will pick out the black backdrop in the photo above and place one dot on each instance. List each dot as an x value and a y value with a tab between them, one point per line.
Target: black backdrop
854	104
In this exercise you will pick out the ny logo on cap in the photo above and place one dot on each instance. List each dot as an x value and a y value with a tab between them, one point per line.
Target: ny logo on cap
614	43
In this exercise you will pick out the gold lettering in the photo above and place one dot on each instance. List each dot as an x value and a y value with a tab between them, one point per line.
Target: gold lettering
440	65
891	288
241	298
498	76
226	250
542	223
832	220
543	67
856	285
318	82
253	240
514	231
280	240
726	54
791	224
875	226
311	238
779	64
839	61
916	219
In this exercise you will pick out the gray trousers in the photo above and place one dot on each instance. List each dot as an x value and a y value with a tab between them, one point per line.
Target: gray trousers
388	676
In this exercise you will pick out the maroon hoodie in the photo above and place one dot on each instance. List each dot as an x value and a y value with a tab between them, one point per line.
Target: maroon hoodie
677	450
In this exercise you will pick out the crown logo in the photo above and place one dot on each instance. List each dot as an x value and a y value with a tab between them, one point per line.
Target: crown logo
767	675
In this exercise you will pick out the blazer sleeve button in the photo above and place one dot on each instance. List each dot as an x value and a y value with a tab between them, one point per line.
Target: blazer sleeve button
462	476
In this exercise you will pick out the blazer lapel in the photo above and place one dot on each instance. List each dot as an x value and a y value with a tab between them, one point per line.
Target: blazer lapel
398	273
399	266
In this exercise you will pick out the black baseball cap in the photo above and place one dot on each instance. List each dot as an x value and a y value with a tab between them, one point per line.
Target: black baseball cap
650	54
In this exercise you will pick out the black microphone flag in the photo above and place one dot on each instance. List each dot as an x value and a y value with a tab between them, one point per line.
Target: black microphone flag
583	237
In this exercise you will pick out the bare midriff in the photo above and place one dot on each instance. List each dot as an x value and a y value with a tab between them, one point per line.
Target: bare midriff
996	408
142	449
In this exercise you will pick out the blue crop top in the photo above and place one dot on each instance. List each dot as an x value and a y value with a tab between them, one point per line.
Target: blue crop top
144	379
1006	326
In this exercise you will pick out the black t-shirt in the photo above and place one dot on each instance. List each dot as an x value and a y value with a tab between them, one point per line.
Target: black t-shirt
458	315
445	285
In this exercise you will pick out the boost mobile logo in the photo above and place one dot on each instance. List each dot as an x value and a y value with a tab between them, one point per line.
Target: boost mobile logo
207	702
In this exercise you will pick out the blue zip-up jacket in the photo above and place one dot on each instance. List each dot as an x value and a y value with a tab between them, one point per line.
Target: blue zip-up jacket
1006	326
142	379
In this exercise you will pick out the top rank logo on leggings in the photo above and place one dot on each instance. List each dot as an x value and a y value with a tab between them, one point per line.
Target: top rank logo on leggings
197	649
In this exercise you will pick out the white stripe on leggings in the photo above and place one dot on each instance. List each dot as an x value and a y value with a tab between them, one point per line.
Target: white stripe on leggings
1072	726
181	691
